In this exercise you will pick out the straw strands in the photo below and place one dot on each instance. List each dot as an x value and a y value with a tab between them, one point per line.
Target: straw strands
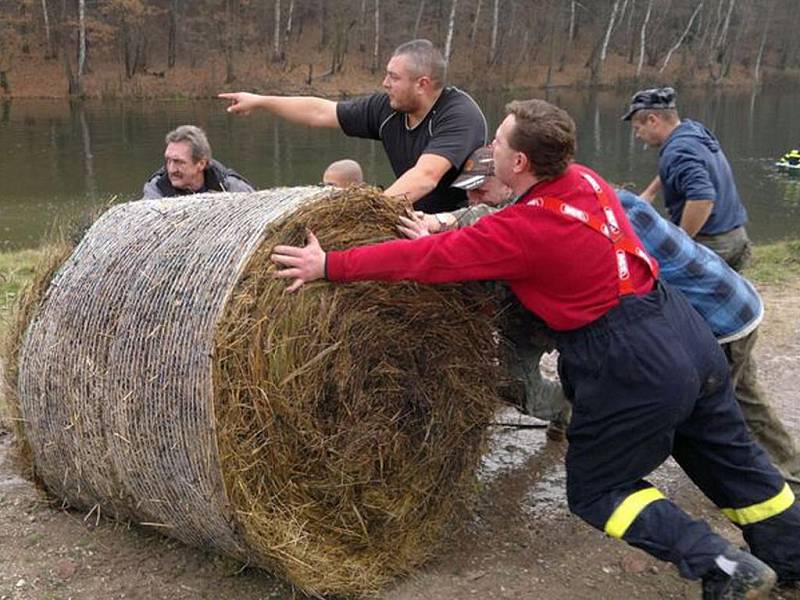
331	435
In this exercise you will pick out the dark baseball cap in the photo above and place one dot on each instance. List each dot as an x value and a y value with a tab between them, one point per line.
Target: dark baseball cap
654	98
476	169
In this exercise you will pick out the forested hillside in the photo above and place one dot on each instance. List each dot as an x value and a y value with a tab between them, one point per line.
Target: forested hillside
183	47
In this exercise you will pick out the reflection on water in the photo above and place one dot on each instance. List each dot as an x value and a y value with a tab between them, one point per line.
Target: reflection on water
57	158
788	188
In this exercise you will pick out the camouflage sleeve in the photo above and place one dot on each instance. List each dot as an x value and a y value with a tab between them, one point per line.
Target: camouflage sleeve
470	215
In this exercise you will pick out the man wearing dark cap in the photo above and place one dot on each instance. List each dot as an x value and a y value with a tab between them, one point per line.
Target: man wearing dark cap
694	175
526	337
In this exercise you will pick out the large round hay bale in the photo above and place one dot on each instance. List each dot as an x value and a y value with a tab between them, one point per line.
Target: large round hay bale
330	435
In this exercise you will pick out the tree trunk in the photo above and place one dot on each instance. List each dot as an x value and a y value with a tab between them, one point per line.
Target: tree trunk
276	42
376	46
553	34
323	24
738	33
493	46
762	45
474	32
643	37
720	49
289	20
724	33
48	38
683	37
609	29
81	42
362	27
571	34
231	32
172	41
630	34
73	87
418	21
712	42
449	41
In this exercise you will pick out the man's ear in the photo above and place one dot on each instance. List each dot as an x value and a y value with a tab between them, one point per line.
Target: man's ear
424	83
204	162
520	162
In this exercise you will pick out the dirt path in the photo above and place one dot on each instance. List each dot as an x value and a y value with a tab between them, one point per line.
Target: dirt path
521	542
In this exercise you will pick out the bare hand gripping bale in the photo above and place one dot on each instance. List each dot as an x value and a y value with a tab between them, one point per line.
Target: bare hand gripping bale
331	435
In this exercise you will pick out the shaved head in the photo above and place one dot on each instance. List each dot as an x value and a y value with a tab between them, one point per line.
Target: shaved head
343	173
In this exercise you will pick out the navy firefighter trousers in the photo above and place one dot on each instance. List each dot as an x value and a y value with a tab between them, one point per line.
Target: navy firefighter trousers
648	380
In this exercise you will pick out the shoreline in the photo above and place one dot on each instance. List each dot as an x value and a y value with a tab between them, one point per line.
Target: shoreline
774	263
36	79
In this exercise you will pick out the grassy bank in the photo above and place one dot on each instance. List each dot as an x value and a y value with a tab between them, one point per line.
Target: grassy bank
16	270
772	264
775	263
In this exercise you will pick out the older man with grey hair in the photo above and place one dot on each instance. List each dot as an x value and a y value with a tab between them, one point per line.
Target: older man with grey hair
427	128
189	169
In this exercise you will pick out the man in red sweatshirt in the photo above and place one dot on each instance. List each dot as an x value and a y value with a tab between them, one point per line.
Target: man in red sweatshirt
643	371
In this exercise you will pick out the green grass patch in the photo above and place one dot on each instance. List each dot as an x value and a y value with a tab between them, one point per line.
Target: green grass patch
772	263
16	270
775	263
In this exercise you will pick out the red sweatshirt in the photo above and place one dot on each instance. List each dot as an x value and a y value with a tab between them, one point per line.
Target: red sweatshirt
559	268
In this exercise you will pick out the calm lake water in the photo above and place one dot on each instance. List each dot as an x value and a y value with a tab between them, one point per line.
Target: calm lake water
58	159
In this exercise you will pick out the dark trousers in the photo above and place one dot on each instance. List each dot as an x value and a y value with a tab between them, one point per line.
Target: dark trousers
732	246
763	423
648	380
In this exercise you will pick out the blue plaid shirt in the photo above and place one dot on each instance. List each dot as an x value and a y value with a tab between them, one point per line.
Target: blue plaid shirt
726	300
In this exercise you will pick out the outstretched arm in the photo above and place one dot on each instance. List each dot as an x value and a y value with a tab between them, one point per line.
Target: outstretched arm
489	250
420	179
305	110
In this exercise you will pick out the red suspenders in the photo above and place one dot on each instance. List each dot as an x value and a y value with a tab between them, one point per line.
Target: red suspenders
609	228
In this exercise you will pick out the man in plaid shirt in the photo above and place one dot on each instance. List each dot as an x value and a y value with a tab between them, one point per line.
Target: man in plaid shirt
726	300
733	310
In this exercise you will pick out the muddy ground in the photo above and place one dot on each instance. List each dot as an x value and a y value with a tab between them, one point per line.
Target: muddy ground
520	542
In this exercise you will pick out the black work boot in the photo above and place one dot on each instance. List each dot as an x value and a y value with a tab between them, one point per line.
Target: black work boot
738	575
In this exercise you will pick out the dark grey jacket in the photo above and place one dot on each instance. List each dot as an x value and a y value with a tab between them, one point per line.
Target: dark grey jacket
218	178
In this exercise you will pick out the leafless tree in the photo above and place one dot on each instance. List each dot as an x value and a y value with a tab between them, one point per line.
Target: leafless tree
683	37
418	21
289	18
48	38
643	37
376	47
493	46
571	32
231	37
598	57
172	36
81	40
449	40
762	44
474	31
612	20
276	37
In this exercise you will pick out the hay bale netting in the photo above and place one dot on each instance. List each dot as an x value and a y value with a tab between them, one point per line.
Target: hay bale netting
330	435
